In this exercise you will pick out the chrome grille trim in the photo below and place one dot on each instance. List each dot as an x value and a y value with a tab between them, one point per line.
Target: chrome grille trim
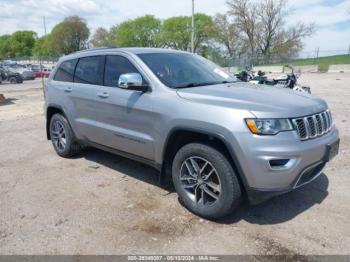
325	121
313	126
320	125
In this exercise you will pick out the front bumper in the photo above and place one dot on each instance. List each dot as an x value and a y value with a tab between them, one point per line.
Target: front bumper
306	160
308	175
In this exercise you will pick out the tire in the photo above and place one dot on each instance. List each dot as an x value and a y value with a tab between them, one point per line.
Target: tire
225	191
62	137
13	80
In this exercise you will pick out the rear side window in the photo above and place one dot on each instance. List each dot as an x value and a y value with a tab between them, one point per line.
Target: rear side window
115	66
65	72
89	70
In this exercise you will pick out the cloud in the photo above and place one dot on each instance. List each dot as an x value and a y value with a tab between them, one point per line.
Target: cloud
330	42
31	9
96	12
298	4
322	15
28	15
128	9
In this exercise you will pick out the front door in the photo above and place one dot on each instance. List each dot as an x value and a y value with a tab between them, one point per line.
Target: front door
117	118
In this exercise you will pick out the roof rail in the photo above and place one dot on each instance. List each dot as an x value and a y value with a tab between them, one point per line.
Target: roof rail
94	49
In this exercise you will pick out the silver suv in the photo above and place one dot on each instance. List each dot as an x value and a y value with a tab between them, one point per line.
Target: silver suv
217	139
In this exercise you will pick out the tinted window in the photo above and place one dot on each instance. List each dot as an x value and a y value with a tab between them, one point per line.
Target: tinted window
115	66
89	70
65	72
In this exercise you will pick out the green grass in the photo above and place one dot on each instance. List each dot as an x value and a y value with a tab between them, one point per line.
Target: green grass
323	62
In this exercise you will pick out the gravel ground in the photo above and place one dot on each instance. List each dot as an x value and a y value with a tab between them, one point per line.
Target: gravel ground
98	203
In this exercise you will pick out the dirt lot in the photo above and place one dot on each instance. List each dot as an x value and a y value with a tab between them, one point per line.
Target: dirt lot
99	203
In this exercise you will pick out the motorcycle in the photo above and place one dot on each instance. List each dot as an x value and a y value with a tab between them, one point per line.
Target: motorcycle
285	81
291	81
245	75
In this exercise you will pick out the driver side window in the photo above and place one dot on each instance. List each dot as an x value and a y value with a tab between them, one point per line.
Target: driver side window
116	66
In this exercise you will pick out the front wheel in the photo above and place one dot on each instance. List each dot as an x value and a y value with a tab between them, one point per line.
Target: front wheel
205	181
13	80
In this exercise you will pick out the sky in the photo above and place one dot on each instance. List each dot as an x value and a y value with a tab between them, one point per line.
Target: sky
331	17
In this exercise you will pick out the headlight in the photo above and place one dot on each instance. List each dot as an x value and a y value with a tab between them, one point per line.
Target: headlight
268	126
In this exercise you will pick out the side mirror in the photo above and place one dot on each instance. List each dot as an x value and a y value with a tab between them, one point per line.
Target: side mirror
132	81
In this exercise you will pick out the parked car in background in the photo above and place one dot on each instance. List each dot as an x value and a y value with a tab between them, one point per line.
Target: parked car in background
11	76
41	71
27	74
25	71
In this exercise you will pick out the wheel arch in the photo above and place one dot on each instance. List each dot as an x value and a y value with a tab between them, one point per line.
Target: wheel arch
50	111
181	136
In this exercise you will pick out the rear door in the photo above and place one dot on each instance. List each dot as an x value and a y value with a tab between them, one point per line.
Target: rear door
88	80
61	87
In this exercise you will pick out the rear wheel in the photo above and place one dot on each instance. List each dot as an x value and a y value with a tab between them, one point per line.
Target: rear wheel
205	181
62	137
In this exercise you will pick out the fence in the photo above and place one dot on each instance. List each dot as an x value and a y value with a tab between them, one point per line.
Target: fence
45	61
307	60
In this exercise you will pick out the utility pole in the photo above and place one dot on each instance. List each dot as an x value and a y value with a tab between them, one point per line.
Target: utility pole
192	28
44	21
317	51
41	66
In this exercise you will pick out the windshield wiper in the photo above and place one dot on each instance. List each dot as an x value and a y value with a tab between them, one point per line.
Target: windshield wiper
186	85
193	84
227	82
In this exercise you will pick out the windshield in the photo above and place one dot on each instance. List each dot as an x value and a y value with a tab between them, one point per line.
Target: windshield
181	70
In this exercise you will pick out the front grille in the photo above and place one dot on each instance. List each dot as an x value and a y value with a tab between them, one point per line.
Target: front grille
313	126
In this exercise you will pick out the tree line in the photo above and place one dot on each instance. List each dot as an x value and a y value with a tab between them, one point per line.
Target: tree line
255	30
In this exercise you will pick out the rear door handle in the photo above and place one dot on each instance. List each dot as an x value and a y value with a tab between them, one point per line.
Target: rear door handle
68	89
103	94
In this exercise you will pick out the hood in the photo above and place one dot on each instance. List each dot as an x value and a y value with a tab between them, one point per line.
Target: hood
261	100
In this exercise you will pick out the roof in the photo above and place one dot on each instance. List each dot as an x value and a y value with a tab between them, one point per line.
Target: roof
135	50
105	50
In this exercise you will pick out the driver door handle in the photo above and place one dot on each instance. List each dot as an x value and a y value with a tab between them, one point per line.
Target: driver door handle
68	89
103	94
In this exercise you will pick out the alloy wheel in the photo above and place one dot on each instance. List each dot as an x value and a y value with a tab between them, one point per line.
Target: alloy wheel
200	180
58	135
